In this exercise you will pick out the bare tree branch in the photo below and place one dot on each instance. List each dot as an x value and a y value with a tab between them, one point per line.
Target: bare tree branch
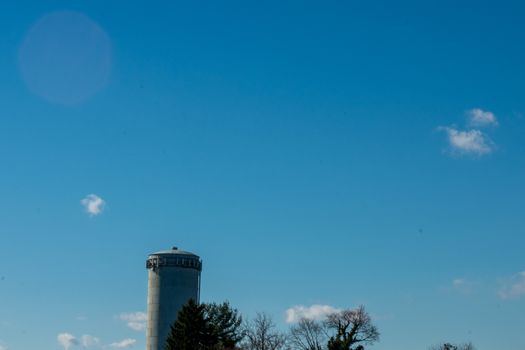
261	334
352	327
308	335
449	346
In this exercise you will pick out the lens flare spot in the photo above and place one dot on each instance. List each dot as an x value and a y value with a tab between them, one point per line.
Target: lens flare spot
65	58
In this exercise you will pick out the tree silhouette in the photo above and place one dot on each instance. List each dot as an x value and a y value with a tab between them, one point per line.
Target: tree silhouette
225	323
308	334
191	330
352	328
449	346
261	334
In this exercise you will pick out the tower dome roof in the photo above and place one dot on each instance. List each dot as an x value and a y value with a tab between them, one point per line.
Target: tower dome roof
174	251
173	258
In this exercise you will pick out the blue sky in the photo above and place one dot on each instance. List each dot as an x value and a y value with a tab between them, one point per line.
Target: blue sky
329	153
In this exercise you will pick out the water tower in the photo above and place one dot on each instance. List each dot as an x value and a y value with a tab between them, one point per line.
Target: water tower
173	279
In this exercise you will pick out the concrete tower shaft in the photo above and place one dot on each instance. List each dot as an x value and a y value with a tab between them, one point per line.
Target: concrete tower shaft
173	279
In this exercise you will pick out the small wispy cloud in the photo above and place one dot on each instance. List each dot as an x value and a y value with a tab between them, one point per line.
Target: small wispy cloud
313	312
135	320
124	344
479	118
67	340
88	341
468	142
462	285
3	346
471	141
513	287
93	204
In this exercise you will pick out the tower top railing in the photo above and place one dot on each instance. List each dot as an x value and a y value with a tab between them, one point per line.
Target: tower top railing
155	262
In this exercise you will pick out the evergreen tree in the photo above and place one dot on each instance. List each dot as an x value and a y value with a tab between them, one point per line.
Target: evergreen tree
225	323
191	330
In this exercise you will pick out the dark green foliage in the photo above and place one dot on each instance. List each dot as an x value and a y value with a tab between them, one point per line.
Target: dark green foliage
191	330
205	327
336	344
225	323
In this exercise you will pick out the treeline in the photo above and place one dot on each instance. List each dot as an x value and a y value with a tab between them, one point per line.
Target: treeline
212	326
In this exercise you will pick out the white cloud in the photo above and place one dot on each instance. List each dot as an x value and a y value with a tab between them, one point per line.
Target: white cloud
135	320
93	204
479	118
67	340
313	312
468	142
88	340
462	285
513	287
3	346
459	283
123	344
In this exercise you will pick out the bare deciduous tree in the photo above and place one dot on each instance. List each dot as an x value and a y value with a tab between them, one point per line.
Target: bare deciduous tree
449	346
353	327
308	334
261	334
